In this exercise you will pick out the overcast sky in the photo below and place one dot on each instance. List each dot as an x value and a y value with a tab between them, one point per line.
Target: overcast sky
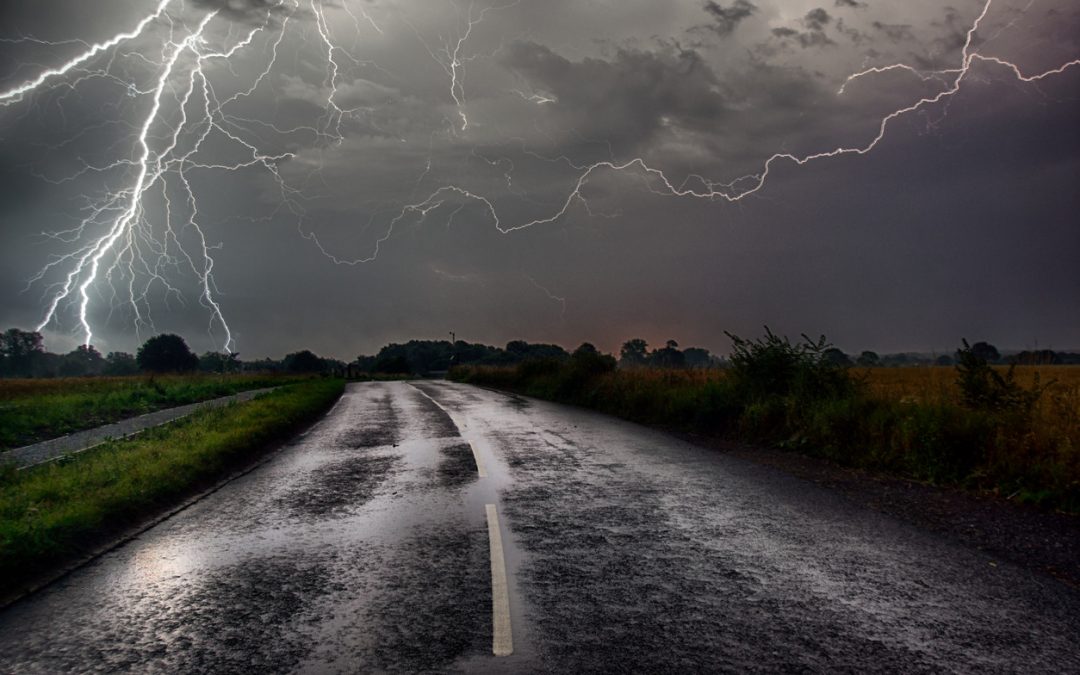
961	222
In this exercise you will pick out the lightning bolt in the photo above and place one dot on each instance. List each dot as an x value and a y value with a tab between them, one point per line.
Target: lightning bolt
744	186
451	58
138	244
132	237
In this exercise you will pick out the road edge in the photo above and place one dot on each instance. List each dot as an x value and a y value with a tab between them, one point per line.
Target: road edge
260	455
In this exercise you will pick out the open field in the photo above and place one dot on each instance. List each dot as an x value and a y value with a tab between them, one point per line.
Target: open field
910	422
60	510
34	410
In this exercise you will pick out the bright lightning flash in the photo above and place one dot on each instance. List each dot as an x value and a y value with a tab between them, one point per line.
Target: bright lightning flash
131	235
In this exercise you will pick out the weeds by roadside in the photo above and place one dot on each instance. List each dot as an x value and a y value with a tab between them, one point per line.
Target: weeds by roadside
981	428
37	410
57	511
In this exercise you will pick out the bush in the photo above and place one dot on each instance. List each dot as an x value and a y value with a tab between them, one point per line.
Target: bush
983	388
771	366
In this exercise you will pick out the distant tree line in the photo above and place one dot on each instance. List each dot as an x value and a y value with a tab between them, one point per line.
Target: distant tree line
635	353
22	354
426	357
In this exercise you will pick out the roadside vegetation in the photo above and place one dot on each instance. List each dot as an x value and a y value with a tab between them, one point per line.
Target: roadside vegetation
59	511
37	410
1012	430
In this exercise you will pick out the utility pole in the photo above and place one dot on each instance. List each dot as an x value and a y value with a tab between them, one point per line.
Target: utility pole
453	337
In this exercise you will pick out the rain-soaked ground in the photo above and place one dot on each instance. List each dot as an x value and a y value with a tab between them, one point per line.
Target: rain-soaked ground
363	547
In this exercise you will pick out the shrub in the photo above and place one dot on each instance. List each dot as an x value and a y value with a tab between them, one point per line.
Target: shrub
984	388
773	366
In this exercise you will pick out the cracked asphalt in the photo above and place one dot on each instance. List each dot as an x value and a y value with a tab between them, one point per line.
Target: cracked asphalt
363	547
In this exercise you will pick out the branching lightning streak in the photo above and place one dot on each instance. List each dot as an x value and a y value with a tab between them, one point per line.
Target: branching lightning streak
453	62
752	183
129	247
16	94
733	190
551	296
131	236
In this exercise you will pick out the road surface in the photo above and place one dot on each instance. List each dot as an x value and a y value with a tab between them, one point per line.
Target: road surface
373	544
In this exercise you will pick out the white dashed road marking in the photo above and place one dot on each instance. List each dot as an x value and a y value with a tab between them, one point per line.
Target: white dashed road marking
502	641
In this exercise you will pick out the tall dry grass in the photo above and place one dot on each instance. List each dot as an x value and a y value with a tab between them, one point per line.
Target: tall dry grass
910	421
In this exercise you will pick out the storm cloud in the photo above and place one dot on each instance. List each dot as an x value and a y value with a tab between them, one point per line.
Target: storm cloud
406	180
727	19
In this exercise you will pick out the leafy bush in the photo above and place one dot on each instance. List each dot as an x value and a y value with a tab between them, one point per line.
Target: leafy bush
773	366
984	388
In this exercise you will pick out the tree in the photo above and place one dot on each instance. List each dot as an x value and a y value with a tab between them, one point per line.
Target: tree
166	353
82	361
668	357
303	362
20	352
985	351
1038	357
219	362
869	359
634	352
836	357
697	357
393	365
587	360
121	363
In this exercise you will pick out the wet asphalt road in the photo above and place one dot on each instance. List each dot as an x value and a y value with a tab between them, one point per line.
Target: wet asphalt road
363	547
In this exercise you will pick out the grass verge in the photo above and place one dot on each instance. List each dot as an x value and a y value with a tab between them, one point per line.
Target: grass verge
37	410
779	398
57	512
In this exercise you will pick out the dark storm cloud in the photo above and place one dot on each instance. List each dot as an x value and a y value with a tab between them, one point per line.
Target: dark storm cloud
727	19
815	23
246	10
817	19
628	98
894	32
956	225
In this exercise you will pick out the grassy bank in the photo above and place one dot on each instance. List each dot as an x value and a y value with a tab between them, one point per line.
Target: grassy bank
37	410
59	511
915	422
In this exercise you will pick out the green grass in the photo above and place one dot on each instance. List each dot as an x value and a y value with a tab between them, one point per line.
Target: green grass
37	410
56	512
1029	455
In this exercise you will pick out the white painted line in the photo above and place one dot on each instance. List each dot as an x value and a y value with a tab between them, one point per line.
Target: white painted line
480	470
502	640
479	464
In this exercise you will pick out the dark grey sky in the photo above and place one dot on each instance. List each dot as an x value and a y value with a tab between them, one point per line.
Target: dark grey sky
960	223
